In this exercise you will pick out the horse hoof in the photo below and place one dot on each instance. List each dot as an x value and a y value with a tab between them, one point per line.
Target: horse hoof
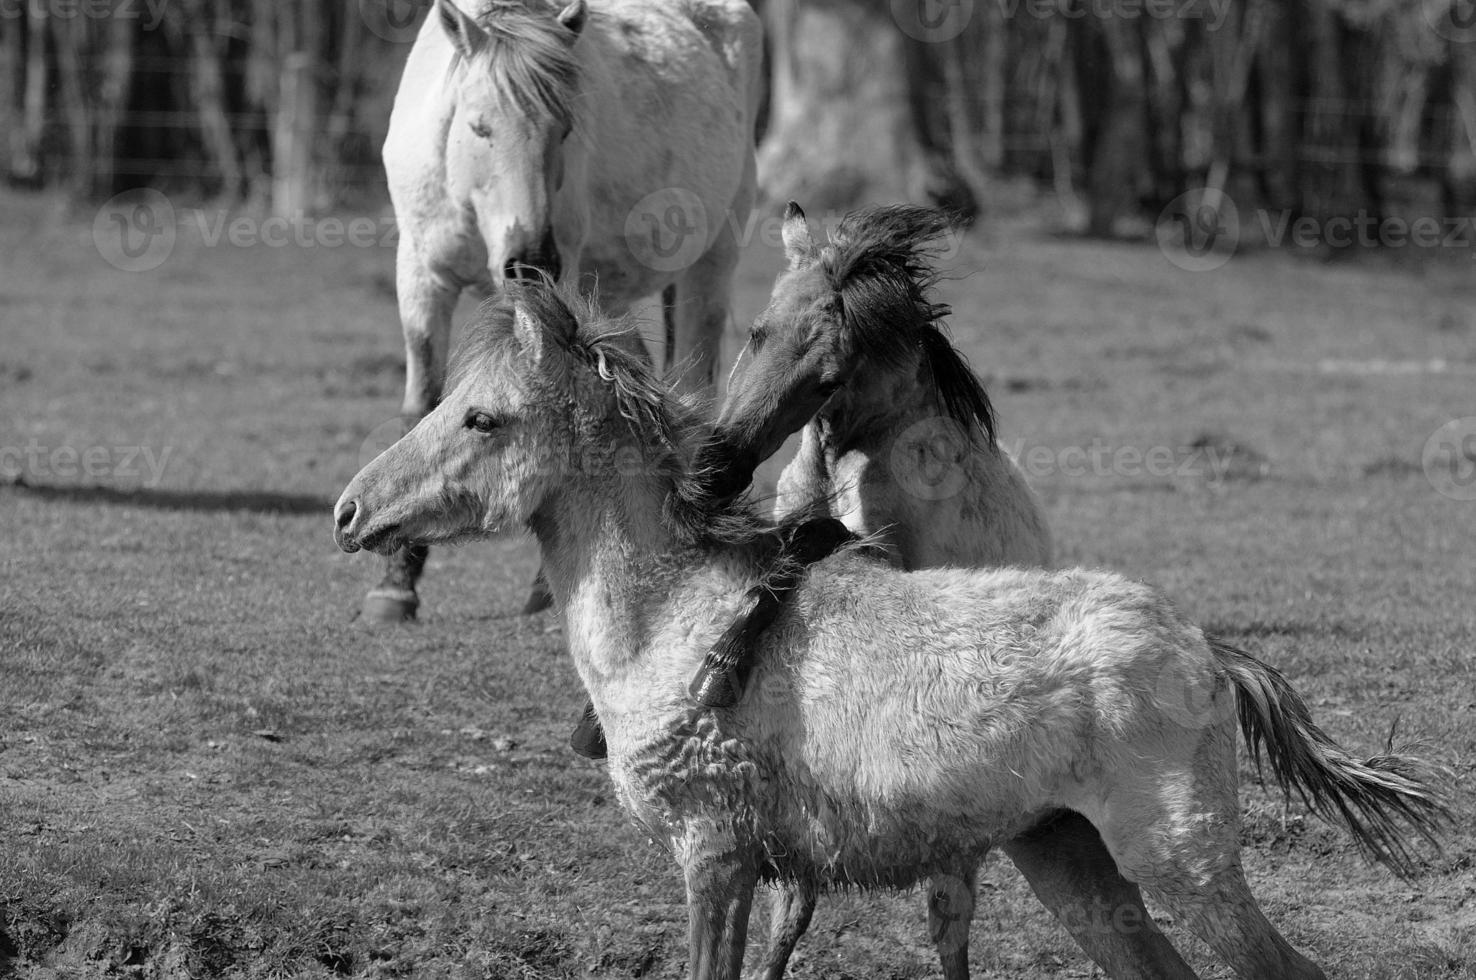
389	607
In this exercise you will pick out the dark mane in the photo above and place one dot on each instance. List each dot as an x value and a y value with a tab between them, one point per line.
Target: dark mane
881	265
531	60
668	429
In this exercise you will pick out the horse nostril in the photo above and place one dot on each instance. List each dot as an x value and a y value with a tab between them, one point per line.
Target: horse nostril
544	261
346	515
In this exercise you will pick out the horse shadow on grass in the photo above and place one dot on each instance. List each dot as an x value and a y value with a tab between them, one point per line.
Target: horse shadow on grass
156	498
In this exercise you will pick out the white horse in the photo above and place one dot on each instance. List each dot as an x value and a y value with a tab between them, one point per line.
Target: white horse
898	724
610	145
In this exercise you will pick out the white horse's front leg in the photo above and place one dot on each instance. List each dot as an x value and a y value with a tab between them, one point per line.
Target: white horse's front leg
426	302
719	896
699	313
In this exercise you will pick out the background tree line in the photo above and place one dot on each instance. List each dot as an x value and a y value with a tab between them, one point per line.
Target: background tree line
1319	107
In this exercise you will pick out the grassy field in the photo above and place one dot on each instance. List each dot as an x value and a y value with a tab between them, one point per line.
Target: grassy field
208	770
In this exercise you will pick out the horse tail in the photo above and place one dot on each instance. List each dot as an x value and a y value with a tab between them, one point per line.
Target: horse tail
1371	798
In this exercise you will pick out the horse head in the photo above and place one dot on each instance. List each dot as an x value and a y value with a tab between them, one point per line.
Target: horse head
514	85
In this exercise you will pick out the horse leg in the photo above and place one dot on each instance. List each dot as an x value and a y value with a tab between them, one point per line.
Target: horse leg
699	313
1174	829
719	897
1072	873
426	302
790	908
950	913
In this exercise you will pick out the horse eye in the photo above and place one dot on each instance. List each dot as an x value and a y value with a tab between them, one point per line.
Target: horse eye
482	422
480	129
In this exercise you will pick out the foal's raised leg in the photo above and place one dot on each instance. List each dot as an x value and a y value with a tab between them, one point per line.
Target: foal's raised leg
1072	873
790	909
426	302
719	897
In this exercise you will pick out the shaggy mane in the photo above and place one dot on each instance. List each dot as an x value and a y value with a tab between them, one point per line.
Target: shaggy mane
670	428
530	58
881	265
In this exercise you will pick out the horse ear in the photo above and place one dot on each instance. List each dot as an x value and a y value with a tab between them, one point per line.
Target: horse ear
574	16
463	31
528	329
798	246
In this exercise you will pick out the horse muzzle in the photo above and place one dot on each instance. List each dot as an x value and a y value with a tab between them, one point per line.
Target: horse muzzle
534	263
352	534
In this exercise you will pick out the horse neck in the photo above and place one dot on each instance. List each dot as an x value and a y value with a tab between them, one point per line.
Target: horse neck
609	558
879	404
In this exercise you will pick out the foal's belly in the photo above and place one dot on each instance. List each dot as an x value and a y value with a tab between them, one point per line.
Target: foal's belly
835	825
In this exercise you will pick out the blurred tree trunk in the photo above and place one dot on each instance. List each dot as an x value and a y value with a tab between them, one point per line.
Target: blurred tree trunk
842	122
11	61
1280	75
1110	82
1458	183
69	39
26	164
207	71
114	85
